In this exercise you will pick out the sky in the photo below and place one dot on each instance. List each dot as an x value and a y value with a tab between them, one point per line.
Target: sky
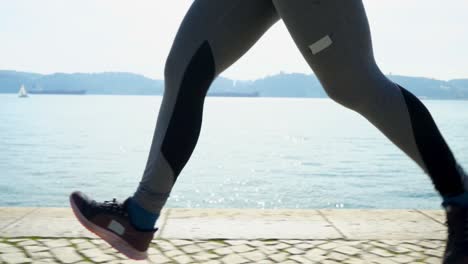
426	38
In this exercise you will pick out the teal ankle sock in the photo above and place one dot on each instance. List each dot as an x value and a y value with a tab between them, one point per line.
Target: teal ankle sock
140	217
459	200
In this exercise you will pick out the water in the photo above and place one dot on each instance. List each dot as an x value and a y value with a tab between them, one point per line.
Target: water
252	153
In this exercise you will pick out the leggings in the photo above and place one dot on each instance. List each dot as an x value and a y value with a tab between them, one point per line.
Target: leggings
333	37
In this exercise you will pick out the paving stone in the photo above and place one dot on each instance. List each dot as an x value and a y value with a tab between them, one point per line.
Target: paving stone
329	245
204	256
368	257
299	258
435	253
17	240
279	257
316	252
429	244
379	244
432	260
241	248
66	254
27	243
152	251
211	245
399	250
336	256
304	246
14	258
226	251
381	252
181	242
382	261
412	247
110	251
182	259
416	255
255	243
254	256
97	242
294	251
234	259
291	241
353	261
347	250
158	259
213	262
264	261
55	243
328	261
267	251
7	248
40	255
391	242
402	259
173	253
281	245
190	249
97	255
234	242
316	242
53	261
165	246
32	249
78	240
223	251
84	245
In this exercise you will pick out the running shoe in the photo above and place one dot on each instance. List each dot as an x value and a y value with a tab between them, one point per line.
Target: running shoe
456	251
110	221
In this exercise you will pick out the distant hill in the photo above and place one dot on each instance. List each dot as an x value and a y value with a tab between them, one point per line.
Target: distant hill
279	85
94	83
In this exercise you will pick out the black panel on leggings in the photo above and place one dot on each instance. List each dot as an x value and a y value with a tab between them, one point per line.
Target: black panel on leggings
184	126
437	157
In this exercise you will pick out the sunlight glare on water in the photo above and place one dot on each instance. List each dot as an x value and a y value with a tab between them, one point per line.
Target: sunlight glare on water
252	153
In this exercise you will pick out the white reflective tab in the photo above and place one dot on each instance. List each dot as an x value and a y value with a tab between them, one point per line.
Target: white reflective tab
116	227
321	44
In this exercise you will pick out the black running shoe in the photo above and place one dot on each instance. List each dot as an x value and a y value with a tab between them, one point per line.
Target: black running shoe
110	221
456	251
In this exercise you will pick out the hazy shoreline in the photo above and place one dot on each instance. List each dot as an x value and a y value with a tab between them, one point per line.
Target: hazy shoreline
291	85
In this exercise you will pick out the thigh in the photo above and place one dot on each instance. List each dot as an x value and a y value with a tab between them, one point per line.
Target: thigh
230	27
332	35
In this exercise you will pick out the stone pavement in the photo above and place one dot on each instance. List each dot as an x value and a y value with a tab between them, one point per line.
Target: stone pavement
52	235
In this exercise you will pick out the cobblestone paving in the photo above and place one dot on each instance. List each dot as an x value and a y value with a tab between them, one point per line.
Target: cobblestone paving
47	250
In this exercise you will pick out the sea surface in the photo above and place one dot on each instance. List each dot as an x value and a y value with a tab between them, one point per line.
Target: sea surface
252	153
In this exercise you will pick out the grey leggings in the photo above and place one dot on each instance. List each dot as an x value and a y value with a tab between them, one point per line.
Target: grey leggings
334	38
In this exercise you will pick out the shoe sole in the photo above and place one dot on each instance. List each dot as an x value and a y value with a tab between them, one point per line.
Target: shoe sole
114	240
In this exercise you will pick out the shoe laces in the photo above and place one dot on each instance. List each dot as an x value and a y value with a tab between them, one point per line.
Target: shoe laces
113	206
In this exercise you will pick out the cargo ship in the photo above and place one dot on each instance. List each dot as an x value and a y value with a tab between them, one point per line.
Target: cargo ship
56	91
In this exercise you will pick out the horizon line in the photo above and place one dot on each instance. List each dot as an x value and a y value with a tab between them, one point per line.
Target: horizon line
266	76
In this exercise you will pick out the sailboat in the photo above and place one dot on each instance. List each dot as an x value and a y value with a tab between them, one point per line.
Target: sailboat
22	92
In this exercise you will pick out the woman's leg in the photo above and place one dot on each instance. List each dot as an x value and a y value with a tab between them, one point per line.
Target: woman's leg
334	38
213	35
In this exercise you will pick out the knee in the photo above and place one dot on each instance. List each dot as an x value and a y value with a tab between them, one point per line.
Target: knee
347	93
358	89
